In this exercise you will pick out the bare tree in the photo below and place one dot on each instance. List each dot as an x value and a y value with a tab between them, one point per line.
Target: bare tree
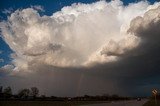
1	89
24	93
7	92
34	91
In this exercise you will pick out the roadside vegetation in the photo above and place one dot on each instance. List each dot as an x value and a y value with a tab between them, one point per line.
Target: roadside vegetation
152	101
32	97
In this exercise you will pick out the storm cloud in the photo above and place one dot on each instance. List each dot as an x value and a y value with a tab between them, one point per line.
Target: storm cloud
103	47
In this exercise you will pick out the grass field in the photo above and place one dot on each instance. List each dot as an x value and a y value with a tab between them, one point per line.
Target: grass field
48	103
152	103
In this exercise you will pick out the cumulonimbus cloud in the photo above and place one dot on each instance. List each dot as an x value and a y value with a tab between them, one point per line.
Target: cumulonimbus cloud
78	35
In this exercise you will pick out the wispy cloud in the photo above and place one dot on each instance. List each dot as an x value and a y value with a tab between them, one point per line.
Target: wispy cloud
7	11
38	7
1	60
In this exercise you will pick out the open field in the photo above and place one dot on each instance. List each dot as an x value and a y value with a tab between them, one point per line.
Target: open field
152	103
122	103
48	103
77	103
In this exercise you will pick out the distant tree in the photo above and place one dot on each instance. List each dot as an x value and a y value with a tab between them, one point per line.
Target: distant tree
43	96
53	97
115	97
1	89
34	91
107	95
7	92
24	93
1	92
86	96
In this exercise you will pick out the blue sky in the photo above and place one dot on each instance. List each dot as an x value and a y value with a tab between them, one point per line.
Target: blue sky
50	6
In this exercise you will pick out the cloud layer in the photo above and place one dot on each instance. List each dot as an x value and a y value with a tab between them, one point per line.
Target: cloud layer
76	35
103	42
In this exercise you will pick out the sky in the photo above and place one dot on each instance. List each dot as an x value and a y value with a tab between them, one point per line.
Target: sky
78	47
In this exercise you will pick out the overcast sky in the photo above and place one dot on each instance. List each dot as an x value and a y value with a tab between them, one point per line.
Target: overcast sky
72	48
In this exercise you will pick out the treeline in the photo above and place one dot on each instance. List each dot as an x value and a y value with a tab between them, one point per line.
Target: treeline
33	94
23	94
104	97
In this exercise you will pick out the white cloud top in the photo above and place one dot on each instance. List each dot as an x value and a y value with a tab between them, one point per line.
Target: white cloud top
78	35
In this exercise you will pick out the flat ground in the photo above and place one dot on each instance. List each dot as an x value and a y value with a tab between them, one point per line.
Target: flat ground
48	103
152	103
123	103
